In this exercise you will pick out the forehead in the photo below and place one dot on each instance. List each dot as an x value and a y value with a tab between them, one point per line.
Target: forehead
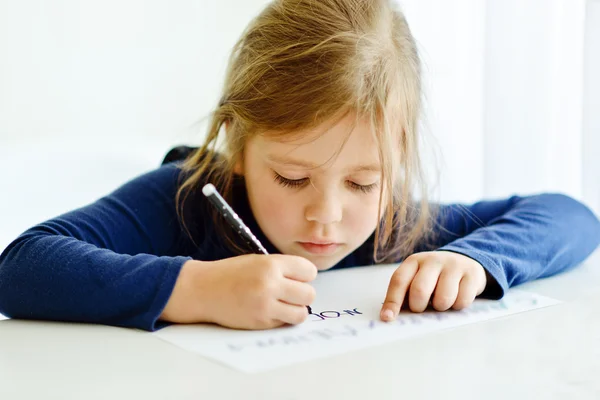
344	144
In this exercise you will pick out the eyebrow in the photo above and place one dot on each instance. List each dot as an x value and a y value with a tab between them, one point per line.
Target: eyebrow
309	165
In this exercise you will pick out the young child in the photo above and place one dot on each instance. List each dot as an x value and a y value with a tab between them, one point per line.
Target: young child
319	157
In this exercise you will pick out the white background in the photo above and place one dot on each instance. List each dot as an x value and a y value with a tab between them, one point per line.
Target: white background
94	93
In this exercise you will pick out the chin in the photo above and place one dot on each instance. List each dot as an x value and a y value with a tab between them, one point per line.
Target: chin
324	265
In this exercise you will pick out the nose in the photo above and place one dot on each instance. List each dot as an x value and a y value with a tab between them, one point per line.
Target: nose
324	208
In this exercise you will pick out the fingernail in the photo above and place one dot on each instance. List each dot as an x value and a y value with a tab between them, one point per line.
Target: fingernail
388	315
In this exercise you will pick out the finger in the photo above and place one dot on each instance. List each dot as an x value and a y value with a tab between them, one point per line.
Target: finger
467	291
294	292
289	313
397	288
446	290
298	269
423	285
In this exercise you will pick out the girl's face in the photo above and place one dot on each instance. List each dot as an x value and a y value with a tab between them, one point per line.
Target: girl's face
310	202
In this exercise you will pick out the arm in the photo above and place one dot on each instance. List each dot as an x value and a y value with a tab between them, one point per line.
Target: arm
113	262
521	238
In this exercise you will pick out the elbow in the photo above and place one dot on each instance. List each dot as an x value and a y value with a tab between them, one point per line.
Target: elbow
7	304
579	210
13	280
580	220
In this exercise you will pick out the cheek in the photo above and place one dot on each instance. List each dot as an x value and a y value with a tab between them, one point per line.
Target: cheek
362	216
274	208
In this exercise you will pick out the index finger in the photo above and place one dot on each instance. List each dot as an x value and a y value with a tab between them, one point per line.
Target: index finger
399	284
298	269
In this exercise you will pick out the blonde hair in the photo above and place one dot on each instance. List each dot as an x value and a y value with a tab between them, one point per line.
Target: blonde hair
300	63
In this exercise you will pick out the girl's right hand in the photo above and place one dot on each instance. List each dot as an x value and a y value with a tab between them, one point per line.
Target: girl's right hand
246	292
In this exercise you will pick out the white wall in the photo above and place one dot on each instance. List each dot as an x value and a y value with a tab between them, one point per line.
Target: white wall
109	70
534	96
451	40
591	115
506	90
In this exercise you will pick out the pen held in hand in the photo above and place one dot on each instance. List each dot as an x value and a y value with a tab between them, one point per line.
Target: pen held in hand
214	197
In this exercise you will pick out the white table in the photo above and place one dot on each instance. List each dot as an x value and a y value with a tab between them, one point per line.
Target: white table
551	353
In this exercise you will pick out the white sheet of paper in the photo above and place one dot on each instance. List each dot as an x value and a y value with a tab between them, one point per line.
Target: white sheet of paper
345	317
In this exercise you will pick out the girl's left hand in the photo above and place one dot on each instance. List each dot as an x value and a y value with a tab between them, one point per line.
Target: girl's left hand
456	280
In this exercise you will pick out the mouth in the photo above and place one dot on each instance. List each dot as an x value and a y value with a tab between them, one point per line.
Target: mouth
320	248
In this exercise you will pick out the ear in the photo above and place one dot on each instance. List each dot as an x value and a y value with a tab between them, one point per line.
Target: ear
238	167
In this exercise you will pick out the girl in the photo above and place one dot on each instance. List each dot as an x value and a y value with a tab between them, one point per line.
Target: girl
320	158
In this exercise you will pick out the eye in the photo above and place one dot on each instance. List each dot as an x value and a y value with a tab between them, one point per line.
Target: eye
298	183
293	183
362	188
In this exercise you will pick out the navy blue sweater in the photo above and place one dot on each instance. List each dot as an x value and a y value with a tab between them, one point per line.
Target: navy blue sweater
116	260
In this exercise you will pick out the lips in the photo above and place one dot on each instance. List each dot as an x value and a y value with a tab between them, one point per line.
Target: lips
320	247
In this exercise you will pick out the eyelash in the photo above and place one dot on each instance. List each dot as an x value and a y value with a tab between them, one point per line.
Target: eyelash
298	183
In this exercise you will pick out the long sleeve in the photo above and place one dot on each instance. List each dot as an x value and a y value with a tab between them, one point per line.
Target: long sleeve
113	262
521	238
